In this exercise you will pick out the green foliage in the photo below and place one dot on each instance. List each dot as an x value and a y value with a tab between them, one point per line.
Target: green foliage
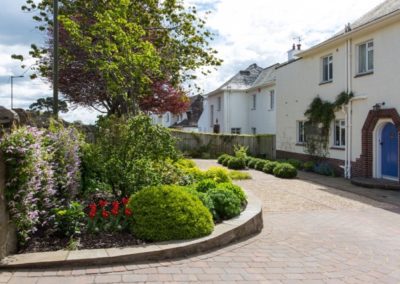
185	163
260	164
324	169
222	158
309	166
237	175
236	163
295	163
169	213
240	151
285	170
237	190
129	154
70	220
252	163
205	185
269	167
225	161
218	174
226	203
47	104
247	160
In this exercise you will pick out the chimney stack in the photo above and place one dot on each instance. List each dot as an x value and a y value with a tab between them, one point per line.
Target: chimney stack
294	46
292	52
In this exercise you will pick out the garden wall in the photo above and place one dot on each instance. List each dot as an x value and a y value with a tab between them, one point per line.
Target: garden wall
209	145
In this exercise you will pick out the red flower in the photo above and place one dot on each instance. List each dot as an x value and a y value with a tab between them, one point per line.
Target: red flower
102	203
105	214
92	214
128	212
115	208
125	200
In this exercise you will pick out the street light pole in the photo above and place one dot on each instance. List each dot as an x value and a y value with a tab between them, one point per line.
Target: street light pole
12	89
55	58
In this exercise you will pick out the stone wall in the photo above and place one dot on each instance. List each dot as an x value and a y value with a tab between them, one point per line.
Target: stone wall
8	238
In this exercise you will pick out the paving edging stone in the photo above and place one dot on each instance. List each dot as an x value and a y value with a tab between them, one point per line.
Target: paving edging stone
248	223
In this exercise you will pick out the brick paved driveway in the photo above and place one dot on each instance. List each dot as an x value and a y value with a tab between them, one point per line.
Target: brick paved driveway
312	234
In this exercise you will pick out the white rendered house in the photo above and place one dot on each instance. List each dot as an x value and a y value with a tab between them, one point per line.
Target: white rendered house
362	59
245	104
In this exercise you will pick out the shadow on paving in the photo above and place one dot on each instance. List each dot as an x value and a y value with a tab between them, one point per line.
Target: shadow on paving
329	184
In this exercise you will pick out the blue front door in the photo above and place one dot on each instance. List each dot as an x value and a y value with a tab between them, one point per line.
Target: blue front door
390	146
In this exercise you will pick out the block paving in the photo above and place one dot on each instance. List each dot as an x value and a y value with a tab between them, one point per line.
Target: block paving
312	233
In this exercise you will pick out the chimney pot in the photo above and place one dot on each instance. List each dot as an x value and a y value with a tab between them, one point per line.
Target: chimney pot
294	46
299	46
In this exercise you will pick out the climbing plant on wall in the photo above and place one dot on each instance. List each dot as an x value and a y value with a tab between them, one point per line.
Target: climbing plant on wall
320	115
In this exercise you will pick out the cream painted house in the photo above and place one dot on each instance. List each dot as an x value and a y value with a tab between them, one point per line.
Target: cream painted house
245	104
362	59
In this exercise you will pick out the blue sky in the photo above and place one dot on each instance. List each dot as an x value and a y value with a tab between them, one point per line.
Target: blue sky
251	31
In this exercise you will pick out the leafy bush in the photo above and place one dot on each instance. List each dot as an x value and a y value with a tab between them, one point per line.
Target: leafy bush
237	190
260	164
192	175
324	169
252	163
70	220
222	158
269	167
218	174
240	151
226	203
295	163
225	161
236	164
185	163
309	166
205	185
127	154
169	213
237	175
247	160
285	170
204	198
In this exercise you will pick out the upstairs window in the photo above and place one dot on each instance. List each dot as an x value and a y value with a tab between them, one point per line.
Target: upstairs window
219	104
366	57
327	68
211	115
271	99
254	102
340	133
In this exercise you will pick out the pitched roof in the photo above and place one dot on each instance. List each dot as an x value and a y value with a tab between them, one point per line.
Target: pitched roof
266	76
244	79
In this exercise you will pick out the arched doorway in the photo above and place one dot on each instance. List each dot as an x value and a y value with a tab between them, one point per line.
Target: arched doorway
389	141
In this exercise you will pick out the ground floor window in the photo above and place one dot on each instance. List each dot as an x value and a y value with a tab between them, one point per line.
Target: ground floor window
301	137
253	130
340	133
235	130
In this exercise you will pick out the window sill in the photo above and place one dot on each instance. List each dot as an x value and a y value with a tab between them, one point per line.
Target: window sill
338	148
301	144
364	74
325	82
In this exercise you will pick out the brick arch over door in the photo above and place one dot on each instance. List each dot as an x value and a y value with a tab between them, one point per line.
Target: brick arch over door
364	165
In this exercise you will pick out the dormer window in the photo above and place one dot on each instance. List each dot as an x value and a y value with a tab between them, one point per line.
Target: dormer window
327	69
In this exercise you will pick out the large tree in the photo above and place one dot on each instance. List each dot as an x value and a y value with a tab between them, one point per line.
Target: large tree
115	53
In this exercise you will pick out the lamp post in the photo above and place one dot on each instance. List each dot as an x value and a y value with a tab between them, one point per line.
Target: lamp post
55	58
12	89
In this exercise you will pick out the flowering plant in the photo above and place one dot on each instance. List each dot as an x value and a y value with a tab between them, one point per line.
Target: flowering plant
107	216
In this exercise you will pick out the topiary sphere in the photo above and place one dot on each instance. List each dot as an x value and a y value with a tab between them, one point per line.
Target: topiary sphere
285	170
269	167
236	164
162	213
237	190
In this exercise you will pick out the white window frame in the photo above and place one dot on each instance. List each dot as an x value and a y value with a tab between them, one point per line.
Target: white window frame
339	133
211	115
235	130
219	103
327	62
300	137
368	57
271	99
254	102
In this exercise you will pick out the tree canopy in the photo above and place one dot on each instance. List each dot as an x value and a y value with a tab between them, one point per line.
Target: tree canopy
115	53
46	105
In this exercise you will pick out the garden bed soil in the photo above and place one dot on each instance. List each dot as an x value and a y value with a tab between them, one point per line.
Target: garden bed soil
86	241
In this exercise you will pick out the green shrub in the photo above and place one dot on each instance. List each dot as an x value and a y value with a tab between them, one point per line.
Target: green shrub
285	170
218	174
185	163
247	160
226	203
240	151
225	161
237	175
222	158
309	166
260	165
295	163
164	213
252	163
237	190
70	220
192	175
204	198
270	166
236	164
205	185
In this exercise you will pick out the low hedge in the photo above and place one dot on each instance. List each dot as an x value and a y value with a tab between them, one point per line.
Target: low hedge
237	190
236	163
226	204
164	213
270	166
222	158
285	170
252	163
259	166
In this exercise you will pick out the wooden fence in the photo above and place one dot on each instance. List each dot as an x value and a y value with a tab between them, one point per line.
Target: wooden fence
208	145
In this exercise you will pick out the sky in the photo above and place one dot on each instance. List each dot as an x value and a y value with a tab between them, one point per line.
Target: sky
246	32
